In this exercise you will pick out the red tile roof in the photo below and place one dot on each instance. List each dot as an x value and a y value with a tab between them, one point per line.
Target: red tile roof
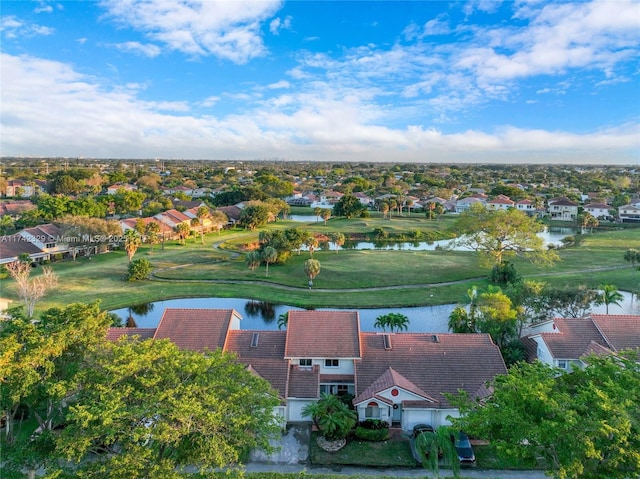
455	361
619	331
389	379
304	382
196	329
323	334
573	337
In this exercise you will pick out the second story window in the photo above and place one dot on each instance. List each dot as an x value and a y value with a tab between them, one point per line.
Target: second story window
305	363
331	363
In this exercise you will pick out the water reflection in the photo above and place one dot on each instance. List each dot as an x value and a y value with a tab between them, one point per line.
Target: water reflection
260	309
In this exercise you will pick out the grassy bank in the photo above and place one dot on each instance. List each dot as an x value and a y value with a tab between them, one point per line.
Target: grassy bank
350	278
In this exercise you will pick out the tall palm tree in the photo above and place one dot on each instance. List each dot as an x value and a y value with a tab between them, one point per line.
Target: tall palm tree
338	238
283	320
269	255
151	231
312	244
609	294
253	259
394	321
311	269
132	241
202	214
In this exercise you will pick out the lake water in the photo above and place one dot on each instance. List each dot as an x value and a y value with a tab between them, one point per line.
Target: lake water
260	315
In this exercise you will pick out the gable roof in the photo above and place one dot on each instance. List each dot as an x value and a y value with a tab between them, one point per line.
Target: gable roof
196	329
114	334
454	361
323	334
389	379
619	331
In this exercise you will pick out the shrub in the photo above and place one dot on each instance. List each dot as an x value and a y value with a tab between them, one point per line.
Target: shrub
139	269
372	434
374	424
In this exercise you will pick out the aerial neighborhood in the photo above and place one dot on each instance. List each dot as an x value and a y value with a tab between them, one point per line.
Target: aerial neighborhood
95	246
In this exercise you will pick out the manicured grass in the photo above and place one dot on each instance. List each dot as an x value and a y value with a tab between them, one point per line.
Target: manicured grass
391	453
347	279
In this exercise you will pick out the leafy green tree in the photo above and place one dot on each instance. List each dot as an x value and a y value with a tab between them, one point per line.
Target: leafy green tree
139	269
311	269
569	302
39	367
6	224
147	409
607	295
52	207
311	243
89	235
348	206
393	321
584	425
501	234
254	216
269	255
128	201
438	447
332	417
296	238
219	220
132	241
460	321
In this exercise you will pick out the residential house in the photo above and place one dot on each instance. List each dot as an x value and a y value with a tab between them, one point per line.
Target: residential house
113	189
599	210
233	213
527	206
501	202
173	218
464	204
400	378
16	208
562	209
327	199
364	199
40	243
629	213
24	189
166	232
565	342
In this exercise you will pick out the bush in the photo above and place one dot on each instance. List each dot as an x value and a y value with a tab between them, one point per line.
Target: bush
374	424
139	270
372	434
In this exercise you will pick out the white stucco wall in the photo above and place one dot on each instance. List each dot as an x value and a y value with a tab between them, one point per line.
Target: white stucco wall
295	407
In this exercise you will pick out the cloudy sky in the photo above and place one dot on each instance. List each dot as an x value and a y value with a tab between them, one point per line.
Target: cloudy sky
416	81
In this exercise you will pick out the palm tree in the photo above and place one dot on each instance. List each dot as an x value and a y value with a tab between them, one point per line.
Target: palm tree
609	295
312	244
632	256
151	231
132	241
332	417
269	255
437	446
392	321
202	214
326	214
183	231
311	269
253	259
317	212
338	238
384	207
283	320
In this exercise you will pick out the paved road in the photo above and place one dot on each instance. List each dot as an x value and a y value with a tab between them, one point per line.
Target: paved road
378	472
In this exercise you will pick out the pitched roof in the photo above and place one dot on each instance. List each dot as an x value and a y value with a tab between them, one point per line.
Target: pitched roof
323	334
196	329
435	367
573	337
266	358
12	246
304	382
619	331
389	379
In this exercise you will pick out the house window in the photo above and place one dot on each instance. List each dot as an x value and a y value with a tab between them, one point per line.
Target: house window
50	245
305	363
372	411
563	364
337	389
331	363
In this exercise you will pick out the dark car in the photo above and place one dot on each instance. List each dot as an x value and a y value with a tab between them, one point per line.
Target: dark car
463	448
421	428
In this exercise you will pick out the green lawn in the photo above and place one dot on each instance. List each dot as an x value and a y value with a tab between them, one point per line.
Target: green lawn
347	279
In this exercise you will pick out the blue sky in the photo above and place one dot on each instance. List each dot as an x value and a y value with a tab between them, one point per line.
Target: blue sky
417	81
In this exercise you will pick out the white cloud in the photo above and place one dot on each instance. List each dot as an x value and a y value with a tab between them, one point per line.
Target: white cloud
225	29
279	85
278	24
54	110
12	27
147	50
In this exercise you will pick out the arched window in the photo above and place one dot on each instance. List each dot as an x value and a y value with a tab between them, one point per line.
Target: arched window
372	411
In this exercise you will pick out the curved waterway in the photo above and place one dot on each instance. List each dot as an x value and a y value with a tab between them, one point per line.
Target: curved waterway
261	315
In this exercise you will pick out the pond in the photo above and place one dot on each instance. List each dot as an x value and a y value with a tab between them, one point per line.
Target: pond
261	315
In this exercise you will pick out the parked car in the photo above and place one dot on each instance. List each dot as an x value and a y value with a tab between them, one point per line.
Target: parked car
419	429
463	448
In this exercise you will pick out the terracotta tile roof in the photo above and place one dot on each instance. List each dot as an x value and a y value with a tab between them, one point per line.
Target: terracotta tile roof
196	329
620	331
232	212
455	361
304	382
323	334
572	338
12	246
114	334
530	348
389	379
266	358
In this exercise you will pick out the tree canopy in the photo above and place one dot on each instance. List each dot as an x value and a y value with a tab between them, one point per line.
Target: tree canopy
502	233
583	425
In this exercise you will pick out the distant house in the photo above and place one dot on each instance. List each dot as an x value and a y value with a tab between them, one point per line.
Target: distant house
629	213
173	218
22	188
500	202
562	209
15	209
565	342
233	213
464	204
40	243
599	210
113	189
527	206
327	199
364	199
398	378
